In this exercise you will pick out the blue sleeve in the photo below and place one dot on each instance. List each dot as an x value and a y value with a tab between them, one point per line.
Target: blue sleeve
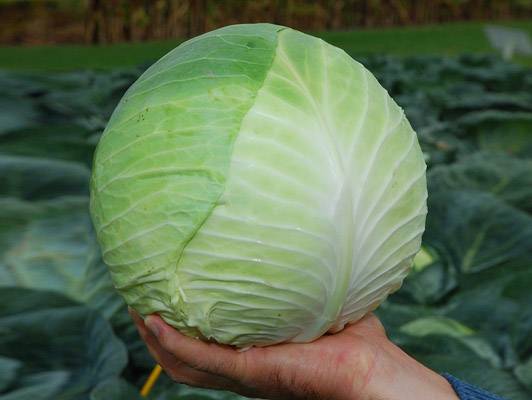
466	391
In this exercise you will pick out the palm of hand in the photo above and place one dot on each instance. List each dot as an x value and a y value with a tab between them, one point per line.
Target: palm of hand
333	367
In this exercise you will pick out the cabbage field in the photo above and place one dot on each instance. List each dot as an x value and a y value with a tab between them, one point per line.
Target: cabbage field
466	307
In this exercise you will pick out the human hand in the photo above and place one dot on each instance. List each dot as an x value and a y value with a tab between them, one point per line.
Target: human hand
358	363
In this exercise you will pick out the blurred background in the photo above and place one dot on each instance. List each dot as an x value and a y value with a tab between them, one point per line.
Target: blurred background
129	32
461	69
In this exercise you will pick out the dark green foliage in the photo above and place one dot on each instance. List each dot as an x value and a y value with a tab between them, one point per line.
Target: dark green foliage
60	348
65	334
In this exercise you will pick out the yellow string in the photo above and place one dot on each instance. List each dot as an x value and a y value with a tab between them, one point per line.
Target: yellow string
148	385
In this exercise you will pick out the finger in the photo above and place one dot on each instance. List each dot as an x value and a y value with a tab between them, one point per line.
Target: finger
205	357
175	369
182	373
137	319
162	357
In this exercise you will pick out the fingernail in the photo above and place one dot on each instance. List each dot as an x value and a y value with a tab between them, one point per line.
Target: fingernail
152	325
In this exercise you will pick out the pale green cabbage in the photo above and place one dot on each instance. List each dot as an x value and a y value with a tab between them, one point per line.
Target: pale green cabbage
257	185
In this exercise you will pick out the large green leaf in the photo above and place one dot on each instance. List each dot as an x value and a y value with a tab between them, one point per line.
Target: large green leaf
58	115
495	302
9	369
428	285
437	325
33	178
18	109
447	354
500	130
61	140
167	389
50	334
115	389
473	230
15	113
524	373
506	177
37	386
50	245
190	393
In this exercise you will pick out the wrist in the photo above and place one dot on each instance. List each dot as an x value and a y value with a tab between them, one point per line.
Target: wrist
395	375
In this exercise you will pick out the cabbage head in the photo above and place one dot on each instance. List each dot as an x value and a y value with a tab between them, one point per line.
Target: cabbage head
257	185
